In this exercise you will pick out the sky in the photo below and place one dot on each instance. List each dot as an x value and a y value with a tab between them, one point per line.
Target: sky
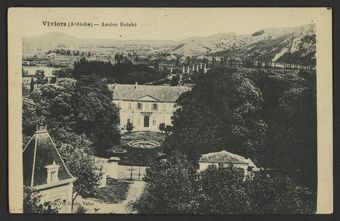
162	23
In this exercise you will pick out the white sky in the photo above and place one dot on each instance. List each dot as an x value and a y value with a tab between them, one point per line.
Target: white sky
163	23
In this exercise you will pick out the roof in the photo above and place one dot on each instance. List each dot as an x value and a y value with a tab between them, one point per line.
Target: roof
39	152
136	92
225	157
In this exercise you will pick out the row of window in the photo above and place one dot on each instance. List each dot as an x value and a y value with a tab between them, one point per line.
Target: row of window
153	106
139	106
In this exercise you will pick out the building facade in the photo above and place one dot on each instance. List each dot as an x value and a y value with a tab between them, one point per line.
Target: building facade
145	106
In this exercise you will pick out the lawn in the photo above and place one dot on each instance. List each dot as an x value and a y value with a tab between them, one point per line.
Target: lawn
113	193
126	137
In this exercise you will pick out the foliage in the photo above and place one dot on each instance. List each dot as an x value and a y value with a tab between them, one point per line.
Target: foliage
113	193
40	76
174	80
122	72
82	165
95	114
30	118
162	127
290	111
63	73
129	126
279	194
83	107
80	210
221	111
32	85
33	203
170	188
223	192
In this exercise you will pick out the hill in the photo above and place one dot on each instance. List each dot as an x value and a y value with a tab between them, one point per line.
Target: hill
291	45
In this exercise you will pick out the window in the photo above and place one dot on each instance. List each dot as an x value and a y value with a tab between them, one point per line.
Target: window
146	121
139	106
154	107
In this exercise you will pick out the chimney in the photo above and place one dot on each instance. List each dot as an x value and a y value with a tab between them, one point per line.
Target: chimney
183	70
136	84
52	173
188	70
193	67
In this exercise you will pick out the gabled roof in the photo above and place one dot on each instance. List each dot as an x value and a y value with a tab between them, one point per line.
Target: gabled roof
38	153
225	157
134	92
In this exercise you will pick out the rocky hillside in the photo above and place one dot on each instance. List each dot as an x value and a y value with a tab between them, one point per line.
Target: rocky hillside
291	45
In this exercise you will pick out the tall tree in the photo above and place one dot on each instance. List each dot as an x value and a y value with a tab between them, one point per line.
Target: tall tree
220	112
290	112
96	115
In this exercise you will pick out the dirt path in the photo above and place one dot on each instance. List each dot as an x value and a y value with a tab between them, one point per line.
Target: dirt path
95	206
133	194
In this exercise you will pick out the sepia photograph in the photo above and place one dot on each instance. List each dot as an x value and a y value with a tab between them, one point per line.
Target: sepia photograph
170	111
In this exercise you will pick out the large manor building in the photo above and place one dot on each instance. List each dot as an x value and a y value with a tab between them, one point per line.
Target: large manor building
145	106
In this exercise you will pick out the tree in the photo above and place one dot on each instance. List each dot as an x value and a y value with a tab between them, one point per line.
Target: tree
32	85
223	192
83	107
173	188
129	126
174	80
30	118
162	127
122	72
221	111
170	187
40	75
278	194
62	73
290	113
81	165
95	114
33	203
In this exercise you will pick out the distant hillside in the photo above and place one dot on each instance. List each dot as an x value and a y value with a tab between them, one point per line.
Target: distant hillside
43	43
292	45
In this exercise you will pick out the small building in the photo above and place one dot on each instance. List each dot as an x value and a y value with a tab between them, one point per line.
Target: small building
145	106
45	171
224	159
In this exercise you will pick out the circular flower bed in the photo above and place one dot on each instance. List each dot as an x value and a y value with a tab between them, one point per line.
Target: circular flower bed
144	144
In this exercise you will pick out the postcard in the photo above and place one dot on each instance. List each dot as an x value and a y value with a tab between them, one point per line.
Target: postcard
170	110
